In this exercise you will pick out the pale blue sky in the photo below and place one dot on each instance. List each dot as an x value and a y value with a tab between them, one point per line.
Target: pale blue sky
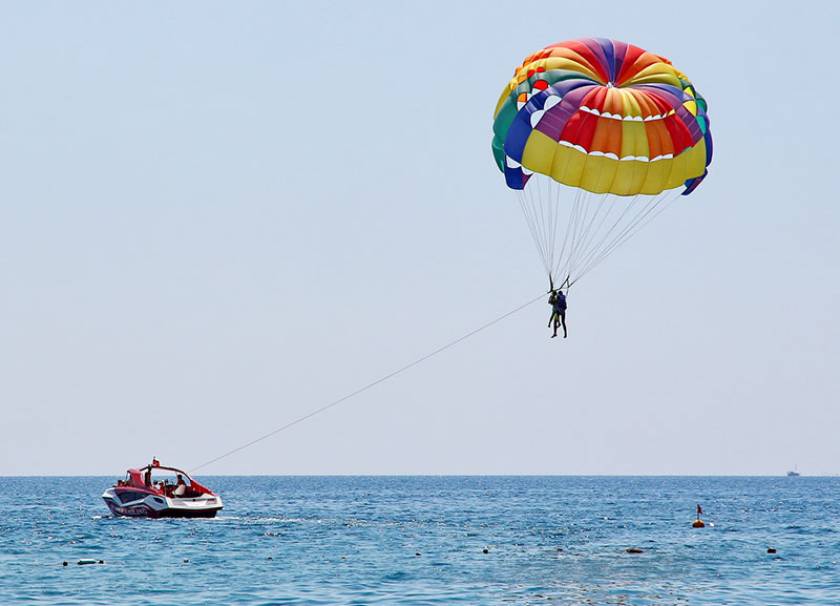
217	217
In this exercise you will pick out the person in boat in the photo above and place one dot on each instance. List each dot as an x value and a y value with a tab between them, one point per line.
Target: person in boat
147	477
180	487
557	300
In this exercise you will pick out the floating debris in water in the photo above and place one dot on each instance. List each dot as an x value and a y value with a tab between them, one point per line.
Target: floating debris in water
85	561
771	550
634	550
485	550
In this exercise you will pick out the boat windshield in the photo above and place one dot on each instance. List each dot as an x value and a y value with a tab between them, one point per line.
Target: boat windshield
172	483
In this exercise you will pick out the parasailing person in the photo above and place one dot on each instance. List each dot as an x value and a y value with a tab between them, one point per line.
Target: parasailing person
557	300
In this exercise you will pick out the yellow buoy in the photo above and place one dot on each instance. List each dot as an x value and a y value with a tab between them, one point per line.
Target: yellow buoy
698	523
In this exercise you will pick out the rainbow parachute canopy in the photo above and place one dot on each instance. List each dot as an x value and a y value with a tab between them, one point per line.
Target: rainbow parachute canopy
604	116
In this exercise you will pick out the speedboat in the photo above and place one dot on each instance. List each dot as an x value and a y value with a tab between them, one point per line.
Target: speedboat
157	491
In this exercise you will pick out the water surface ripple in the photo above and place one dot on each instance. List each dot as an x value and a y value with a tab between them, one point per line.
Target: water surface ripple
421	540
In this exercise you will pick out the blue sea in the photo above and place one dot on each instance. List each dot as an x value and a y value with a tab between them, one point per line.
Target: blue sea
431	540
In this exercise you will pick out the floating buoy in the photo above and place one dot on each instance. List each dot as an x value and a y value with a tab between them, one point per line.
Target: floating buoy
698	523
771	550
634	550
485	550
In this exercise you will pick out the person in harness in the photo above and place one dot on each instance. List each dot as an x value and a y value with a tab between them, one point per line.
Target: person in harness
557	300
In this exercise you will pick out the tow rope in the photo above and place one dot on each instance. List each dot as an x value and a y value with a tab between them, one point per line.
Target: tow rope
370	385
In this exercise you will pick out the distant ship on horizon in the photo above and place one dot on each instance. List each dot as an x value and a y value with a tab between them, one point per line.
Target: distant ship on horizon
794	473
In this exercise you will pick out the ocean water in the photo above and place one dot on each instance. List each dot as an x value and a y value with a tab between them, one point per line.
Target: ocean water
421	540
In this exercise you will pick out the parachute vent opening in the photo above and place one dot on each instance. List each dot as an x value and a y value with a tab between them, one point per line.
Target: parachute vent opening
575	230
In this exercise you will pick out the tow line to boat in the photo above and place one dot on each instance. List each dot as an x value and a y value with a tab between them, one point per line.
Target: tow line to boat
368	386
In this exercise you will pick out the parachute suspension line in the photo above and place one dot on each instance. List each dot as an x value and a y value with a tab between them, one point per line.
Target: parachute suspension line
610	205
562	253
644	217
598	254
588	247
527	209
581	211
552	213
546	211
602	242
571	229
585	237
539	206
656	208
576	221
558	211
590	207
607	245
372	384
523	204
595	225
556	201
638	221
565	251
528	205
640	217
542	222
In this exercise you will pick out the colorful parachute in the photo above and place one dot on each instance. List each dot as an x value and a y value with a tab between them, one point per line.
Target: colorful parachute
597	135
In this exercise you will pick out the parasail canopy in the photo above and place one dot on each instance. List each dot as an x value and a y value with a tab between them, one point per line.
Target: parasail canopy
610	133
